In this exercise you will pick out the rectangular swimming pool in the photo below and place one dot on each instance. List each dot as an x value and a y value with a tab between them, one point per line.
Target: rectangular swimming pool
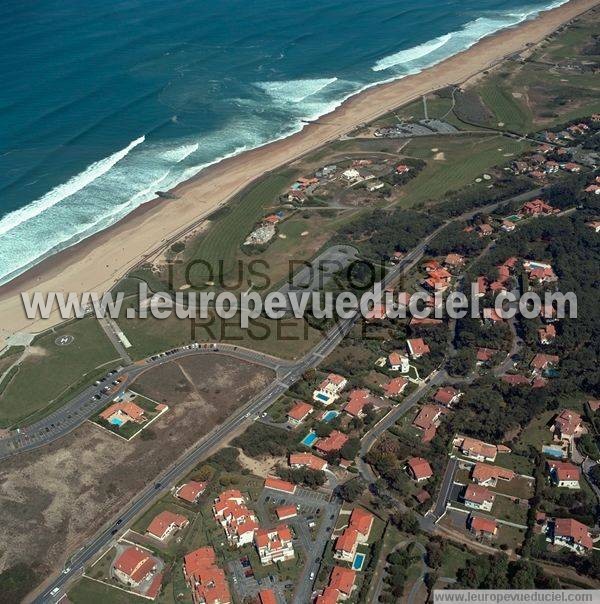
309	439
358	562
322	397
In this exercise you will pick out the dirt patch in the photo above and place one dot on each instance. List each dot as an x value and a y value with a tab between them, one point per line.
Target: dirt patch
440	156
53	499
260	467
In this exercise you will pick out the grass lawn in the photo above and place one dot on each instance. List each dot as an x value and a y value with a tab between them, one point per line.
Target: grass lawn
509	536
507	108
454	559
220	244
505	509
537	432
464	159
51	374
285	338
168	503
513	461
88	591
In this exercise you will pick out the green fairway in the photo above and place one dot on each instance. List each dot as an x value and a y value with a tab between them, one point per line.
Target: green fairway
457	162
509	111
221	243
49	374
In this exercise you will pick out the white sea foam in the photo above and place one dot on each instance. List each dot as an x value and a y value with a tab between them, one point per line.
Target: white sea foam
411	54
72	186
111	188
295	91
434	51
180	153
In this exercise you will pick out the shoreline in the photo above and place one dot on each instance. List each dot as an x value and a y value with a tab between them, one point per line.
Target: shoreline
99	261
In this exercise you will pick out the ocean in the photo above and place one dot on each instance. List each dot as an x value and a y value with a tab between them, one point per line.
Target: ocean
103	103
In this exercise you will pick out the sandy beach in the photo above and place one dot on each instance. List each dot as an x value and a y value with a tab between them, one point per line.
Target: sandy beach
98	262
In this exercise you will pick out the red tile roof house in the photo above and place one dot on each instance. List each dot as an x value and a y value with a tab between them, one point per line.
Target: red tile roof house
398	362
547	334
478	497
237	520
358	531
572	534
274	545
300	460
377	313
543	361
359	399
395	387
267	596
447	396
286	511
428	420
485	355
564	474
454	260
329	389
205	579
536	207
134	566
483	527
276	484
419	468
334	442
567	424
190	491
477	449
341	584
165	524
123	412
488	476
298	413
485	230
417	347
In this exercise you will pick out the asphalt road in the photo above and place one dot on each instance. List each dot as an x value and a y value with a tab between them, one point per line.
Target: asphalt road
288	374
84	405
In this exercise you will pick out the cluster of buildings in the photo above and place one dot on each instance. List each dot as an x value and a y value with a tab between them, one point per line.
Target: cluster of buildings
241	525
265	230
356	532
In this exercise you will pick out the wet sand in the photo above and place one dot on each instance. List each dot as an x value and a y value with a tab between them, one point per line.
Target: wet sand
98	262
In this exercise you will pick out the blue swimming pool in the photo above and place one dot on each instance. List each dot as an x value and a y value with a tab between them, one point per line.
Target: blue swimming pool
329	415
309	439
358	562
115	421
552	451
322	397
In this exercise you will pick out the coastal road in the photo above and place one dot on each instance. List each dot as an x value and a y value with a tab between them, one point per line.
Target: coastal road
287	374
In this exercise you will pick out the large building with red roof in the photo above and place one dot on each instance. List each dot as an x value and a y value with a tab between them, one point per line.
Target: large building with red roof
332	443
165	523
190	491
572	534
233	515
358	531
299	412
419	468
134	566
274	545
308	460
205	579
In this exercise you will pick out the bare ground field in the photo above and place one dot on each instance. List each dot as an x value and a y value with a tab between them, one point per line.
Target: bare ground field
53	499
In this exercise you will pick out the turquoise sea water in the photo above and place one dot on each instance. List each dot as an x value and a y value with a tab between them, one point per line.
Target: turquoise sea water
104	103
